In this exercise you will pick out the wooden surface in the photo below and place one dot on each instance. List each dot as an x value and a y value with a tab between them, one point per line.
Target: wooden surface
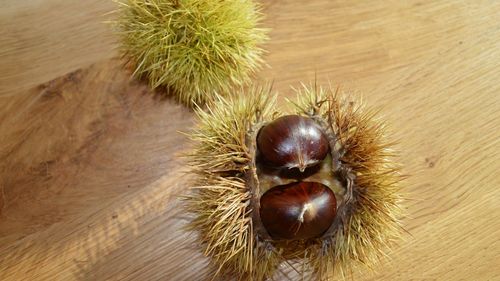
89	174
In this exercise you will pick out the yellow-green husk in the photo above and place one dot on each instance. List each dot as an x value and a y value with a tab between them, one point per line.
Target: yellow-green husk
192	47
220	199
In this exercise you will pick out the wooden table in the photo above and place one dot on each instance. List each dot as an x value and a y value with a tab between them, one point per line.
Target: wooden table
89	171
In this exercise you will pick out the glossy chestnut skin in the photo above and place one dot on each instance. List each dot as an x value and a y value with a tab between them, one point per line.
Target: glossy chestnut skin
292	141
299	210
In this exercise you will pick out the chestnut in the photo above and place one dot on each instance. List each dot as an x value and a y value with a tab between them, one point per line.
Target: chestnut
299	210
292	141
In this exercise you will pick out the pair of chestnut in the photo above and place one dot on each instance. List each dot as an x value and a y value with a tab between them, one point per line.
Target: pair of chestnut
302	209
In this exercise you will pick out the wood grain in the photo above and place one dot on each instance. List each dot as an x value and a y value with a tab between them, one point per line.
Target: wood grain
90	174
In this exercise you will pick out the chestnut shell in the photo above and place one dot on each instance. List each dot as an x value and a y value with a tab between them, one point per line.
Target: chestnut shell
299	210
292	141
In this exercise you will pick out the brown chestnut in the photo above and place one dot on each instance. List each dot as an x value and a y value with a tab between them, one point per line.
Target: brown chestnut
299	210
292	141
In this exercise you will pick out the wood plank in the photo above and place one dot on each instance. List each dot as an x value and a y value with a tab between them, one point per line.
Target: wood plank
90	176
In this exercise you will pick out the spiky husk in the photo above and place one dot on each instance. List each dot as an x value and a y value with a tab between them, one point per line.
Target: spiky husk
373	220
194	47
221	200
